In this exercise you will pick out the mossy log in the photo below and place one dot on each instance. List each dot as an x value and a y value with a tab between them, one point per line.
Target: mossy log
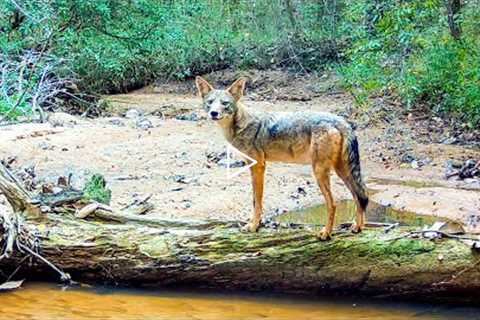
116	248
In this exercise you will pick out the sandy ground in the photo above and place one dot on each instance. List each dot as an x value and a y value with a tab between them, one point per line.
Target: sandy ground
171	161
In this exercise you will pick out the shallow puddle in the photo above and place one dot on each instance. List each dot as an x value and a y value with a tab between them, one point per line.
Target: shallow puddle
346	213
45	301
405	183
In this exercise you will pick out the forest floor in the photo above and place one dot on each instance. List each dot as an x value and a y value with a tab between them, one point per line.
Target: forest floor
157	141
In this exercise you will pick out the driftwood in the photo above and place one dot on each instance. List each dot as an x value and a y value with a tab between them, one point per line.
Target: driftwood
127	249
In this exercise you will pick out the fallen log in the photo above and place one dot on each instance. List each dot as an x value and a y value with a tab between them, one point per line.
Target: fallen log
114	248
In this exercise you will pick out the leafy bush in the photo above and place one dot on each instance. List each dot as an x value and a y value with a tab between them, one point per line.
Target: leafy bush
116	46
29	81
390	47
446	77
96	190
404	48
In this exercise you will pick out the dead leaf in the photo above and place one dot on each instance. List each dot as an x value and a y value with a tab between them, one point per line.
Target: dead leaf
11	285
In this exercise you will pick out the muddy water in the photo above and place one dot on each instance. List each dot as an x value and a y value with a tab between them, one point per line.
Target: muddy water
346	213
45	301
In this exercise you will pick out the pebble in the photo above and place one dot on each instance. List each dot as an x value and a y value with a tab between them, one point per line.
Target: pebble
144	124
132	114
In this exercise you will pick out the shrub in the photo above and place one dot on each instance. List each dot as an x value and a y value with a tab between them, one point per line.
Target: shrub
404	48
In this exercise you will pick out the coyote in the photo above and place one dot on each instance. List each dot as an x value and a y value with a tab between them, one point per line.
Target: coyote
323	140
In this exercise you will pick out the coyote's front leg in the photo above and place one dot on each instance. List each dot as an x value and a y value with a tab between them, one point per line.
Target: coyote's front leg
258	177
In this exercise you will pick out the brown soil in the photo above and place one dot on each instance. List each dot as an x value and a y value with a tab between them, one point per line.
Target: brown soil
171	159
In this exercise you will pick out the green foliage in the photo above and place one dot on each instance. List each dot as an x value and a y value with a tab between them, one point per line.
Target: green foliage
405	49
447	78
115	46
6	108
96	189
29	80
380	47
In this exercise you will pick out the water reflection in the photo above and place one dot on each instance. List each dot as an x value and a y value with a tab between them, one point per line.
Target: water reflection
346	213
45	301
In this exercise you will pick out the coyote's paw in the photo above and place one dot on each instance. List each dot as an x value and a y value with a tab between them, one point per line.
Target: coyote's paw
356	228
250	227
324	235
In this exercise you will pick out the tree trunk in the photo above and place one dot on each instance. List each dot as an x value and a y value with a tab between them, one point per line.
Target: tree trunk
291	14
453	9
120	248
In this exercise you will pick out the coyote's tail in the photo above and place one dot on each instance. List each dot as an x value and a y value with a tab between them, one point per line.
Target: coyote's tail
352	159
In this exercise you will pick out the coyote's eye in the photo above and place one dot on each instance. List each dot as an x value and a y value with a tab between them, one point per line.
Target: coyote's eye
210	101
225	103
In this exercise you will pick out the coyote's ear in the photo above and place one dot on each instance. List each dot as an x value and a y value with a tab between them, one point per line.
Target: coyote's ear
203	86
237	89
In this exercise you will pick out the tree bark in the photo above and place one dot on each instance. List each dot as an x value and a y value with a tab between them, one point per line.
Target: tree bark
117	248
19	198
291	14
453	9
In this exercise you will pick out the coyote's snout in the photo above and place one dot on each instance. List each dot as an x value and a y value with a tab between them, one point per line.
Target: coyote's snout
324	140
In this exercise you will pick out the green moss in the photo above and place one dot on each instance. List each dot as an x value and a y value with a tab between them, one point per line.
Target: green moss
401	247
96	190
156	247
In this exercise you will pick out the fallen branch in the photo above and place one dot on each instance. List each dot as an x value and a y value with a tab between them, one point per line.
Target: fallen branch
64	277
469	170
20	199
115	247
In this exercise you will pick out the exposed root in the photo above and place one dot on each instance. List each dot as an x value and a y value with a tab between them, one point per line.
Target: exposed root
9	234
16	235
64	277
457	275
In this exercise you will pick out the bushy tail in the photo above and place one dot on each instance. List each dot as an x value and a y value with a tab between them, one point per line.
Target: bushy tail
352	157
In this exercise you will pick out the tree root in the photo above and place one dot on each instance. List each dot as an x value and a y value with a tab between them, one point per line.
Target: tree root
17	236
9	230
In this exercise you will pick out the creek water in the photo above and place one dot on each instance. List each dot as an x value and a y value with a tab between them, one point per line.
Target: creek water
47	301
345	212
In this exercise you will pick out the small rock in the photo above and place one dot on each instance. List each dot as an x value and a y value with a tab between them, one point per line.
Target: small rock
233	164
216	157
301	191
473	220
61	119
407	158
47	188
180	178
144	124
450	140
414	164
280	210
186	204
132	114
45	146
57	190
188	117
426	161
455	164
116	122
